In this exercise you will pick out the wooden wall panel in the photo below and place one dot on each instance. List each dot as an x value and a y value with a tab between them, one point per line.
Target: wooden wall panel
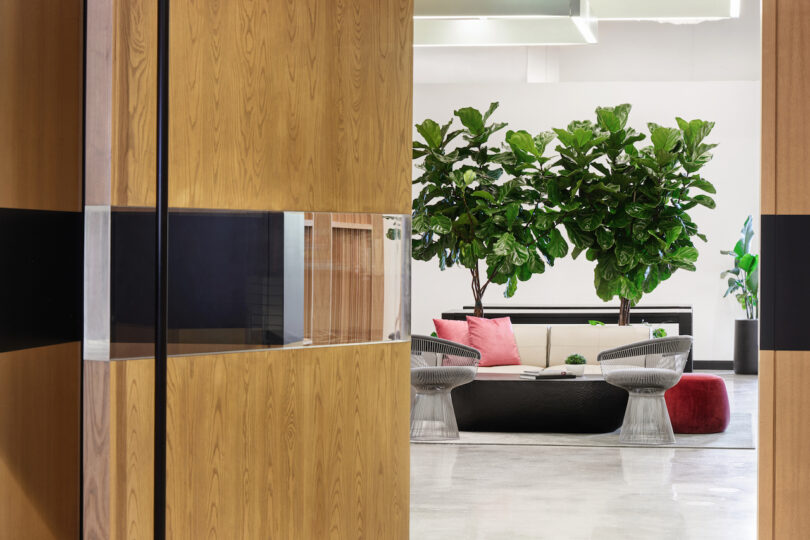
302	105
41	104
118	449
39	442
765	447
134	102
791	440
768	165
792	42
307	443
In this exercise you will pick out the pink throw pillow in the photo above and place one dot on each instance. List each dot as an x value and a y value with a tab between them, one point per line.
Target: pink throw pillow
496	341
456	331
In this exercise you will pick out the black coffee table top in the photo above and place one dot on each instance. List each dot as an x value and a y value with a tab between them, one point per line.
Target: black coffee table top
515	377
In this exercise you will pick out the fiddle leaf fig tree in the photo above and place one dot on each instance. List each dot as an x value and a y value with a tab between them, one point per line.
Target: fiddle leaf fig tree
476	205
631	204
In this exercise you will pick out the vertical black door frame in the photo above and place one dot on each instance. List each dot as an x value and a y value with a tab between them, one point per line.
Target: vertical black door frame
161	268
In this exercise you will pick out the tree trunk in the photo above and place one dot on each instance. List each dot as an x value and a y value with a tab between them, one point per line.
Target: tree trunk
478	310
624	312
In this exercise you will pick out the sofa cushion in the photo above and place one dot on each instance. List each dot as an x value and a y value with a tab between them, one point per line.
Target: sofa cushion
532	343
457	331
495	340
589	340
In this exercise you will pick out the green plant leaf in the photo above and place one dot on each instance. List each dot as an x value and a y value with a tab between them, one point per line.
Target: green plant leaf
664	139
604	238
472	119
484	195
441	224
686	254
708	187
512	212
431	132
704	200
557	246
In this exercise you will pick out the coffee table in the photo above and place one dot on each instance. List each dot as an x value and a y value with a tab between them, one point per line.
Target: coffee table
507	403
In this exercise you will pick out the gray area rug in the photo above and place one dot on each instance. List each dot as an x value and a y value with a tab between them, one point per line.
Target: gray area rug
739	435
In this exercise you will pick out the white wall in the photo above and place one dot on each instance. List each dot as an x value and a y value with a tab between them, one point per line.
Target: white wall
590	77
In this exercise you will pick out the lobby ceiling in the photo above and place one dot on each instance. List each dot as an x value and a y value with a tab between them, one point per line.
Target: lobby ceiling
465	23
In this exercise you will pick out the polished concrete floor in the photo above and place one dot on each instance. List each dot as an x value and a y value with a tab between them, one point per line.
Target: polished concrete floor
510	492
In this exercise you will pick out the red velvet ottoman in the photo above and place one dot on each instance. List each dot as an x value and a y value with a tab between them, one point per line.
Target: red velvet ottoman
698	404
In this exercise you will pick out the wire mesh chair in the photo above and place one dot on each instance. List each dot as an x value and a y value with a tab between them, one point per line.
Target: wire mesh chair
438	366
646	369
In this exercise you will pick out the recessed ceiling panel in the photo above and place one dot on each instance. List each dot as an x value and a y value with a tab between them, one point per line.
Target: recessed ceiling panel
496	8
664	10
498	32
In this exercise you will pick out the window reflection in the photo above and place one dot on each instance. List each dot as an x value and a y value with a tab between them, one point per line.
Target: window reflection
253	280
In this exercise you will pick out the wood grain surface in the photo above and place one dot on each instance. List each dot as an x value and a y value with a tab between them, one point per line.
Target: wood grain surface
118	449
134	102
39	442
765	446
285	105
307	443
792	55
41	104
769	134
791	440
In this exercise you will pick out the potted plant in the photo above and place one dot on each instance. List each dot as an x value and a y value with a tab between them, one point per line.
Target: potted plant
743	279
632	203
575	364
476	205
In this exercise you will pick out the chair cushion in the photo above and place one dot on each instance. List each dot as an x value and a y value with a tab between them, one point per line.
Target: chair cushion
495	340
457	331
588	340
532	343
698	404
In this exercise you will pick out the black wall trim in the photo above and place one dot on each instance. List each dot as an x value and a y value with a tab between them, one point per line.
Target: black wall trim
161	269
784	294
714	364
40	278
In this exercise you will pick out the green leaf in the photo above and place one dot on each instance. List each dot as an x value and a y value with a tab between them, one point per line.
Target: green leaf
468	177
492	107
512	211
511	287
708	187
431	132
557	246
604	237
441	224
545	220
664	139
472	119
637	210
748	262
523	145
672	234
624	254
686	254
704	200
591	221
484	195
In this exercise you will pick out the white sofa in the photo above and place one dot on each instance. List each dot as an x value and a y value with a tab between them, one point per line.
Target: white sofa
549	345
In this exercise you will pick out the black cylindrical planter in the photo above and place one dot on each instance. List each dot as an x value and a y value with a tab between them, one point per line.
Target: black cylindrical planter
746	346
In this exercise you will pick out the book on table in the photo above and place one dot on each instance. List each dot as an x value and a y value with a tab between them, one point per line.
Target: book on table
546	373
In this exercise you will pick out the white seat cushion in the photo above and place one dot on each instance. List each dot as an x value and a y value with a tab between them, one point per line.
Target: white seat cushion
587	340
532	343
